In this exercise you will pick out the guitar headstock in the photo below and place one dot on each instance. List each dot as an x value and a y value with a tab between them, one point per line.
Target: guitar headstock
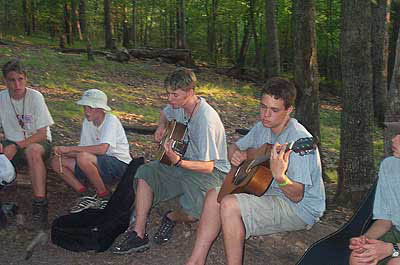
304	146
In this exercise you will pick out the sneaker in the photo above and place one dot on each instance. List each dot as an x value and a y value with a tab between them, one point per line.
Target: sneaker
3	219
164	233
39	214
86	202
132	243
103	204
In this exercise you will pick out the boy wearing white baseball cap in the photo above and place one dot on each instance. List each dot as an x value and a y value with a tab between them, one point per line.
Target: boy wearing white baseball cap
101	156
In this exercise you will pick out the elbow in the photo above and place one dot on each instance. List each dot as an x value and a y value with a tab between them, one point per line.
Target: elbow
297	198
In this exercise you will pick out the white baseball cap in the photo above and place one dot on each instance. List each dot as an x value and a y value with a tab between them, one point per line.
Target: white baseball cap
94	98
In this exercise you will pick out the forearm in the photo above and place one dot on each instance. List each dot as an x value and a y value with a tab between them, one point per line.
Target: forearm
100	149
293	190
378	229
198	166
39	136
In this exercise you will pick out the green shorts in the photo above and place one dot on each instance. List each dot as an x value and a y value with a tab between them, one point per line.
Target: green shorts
168	182
392	236
19	158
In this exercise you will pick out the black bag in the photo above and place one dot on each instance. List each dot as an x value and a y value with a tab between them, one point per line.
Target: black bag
95	229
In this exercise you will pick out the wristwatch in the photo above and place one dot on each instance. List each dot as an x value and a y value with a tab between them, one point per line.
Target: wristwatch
396	251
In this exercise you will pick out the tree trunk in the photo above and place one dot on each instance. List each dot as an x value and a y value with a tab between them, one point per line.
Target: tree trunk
380	42
125	30
395	25
392	115
33	15
253	26
76	27
244	47
26	14
211	29
134	21
306	73
82	17
172	26
356	169
181	36
67	23
108	25
273	65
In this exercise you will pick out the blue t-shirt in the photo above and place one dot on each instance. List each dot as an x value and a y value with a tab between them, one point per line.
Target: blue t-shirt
303	169
387	196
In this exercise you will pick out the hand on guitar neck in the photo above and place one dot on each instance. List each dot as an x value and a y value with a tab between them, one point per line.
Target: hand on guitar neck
279	161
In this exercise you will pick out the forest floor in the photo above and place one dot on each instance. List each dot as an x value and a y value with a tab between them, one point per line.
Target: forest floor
278	249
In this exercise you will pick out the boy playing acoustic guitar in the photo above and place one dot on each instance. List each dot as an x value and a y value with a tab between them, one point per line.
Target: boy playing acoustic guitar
201	167
296	198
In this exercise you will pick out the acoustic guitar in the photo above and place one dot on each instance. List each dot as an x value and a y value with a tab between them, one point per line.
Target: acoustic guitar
175	131
253	175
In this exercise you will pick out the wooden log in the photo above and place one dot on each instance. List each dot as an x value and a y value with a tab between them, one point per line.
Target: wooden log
169	55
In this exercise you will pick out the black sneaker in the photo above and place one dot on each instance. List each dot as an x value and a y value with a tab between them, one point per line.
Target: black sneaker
39	214
164	233
132	243
3	219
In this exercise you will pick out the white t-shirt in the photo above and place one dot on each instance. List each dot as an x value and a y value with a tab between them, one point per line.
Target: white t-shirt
31	109
109	132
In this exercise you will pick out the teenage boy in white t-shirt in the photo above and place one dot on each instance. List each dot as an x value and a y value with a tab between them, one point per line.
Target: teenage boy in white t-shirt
101	157
26	120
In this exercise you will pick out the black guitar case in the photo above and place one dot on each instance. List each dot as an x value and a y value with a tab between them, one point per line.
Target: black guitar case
334	248
95	229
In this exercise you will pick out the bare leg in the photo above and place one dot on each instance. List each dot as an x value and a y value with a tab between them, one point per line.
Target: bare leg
394	261
88	163
10	151
208	230
144	199
34	156
233	230
68	167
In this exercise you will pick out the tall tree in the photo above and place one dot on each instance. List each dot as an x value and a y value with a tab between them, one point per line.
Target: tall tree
380	43
253	26
108	34
133	27
82	17
26	14
180	25
273	64
67	22
392	115
356	169
306	73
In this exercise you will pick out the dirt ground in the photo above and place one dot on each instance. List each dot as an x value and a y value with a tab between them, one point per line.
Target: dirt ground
278	249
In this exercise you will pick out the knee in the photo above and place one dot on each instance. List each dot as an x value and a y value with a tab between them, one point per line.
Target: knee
229	207
83	158
34	151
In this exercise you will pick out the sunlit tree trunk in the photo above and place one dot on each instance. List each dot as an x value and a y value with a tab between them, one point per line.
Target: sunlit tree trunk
356	169
181	35
67	23
253	26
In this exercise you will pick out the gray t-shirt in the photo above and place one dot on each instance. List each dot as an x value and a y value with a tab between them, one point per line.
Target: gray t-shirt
387	196
303	169
205	134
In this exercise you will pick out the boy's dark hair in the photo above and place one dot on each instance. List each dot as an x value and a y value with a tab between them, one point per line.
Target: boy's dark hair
13	66
280	88
181	78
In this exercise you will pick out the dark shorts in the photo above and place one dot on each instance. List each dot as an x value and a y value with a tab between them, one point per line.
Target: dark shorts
19	158
110	169
392	236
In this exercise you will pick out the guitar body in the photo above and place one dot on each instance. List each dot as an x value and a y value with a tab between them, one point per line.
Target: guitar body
256	179
175	131
254	176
